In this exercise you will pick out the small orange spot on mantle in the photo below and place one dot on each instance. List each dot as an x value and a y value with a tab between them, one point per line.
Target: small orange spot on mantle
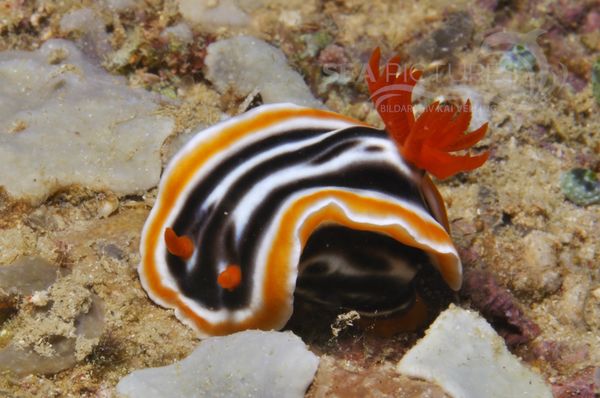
180	246
230	278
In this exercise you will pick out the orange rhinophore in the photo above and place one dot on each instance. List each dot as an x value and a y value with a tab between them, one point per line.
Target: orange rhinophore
427	141
180	246
230	278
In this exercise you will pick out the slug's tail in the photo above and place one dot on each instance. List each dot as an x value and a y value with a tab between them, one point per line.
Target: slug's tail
428	141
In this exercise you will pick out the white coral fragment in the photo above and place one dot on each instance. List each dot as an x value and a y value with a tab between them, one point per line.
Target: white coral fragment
246	364
464	355
76	123
245	64
212	14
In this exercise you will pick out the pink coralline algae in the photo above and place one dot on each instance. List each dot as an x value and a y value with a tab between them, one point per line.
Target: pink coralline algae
584	384
333	57
569	13
499	307
592	22
558	354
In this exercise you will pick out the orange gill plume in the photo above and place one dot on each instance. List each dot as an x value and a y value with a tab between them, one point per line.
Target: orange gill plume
427	141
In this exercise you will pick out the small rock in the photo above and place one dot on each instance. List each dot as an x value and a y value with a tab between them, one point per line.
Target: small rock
16	241
111	250
212	14
245	64
249	364
540	264
66	351
43	219
290	18
40	299
180	32
120	5
22	362
26	276
464	355
107	204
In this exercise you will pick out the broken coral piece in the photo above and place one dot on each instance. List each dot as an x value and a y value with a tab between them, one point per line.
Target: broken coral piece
210	15
246	64
65	121
464	355
246	364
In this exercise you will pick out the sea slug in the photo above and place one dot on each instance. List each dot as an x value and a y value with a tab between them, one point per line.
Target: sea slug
285	199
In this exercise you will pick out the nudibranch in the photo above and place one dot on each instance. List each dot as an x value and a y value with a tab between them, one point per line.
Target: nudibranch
285	200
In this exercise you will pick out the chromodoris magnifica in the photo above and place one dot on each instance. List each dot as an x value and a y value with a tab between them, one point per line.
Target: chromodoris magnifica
285	200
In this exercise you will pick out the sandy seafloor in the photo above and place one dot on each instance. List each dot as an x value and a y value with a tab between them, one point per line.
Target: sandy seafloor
509	218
